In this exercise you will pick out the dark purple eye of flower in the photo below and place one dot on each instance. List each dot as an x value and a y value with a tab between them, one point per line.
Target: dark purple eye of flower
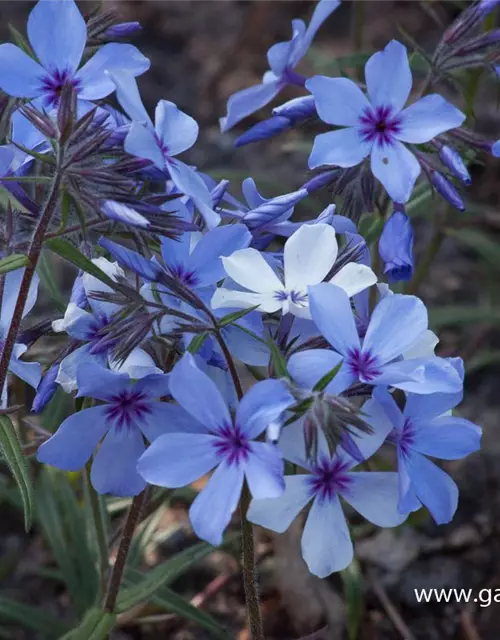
187	277
126	408
380	125
53	84
328	477
403	439
363	364
295	296
232	444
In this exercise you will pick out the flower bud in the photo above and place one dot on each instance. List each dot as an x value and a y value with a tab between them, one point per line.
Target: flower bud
480	42
321	180
468	19
122	30
218	192
46	389
453	161
264	130
297	110
446	188
395	247
269	210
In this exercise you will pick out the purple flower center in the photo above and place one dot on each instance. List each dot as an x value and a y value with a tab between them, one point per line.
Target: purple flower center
295	296
126	408
363	364
187	277
162	146
99	344
232	444
405	438
328	477
380	125
53	84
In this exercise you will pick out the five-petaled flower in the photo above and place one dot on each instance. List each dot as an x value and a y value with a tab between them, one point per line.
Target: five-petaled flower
378	125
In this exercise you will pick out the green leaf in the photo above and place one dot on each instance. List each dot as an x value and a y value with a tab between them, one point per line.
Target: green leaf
167	600
487	248
42	157
197	342
32	618
95	625
65	528
70	253
161	575
49	281
233	317
20	40
278	360
11	450
463	314
13	262
327	378
352	580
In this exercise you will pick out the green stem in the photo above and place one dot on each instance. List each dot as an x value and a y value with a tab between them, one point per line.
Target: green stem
359	23
121	557
100	531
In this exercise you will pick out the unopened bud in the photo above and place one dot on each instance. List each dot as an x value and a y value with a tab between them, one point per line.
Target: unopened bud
453	161
321	180
218	192
46	389
446	189
264	130
297	110
122	30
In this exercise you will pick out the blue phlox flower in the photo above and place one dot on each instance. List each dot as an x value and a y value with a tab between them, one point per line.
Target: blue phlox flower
85	325
326	541
396	325
30	372
131	412
396	247
218	441
173	132
282	57
57	33
377	125
308	257
426	428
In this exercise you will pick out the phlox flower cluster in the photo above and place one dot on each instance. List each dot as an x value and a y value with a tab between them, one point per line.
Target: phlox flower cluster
184	292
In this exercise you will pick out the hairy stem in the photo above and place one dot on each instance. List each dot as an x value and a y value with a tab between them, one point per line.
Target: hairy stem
123	549
34	251
247	543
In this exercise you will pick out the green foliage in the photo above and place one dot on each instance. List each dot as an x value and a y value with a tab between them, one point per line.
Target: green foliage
352	580
70	253
13	456
13	262
31	618
96	625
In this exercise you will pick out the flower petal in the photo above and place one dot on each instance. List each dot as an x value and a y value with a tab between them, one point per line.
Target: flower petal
278	514
338	101
20	75
75	440
98	382
326	541
123	213
177	459
388	76
421	376
58	33
114	469
231	298
447	438
341	148
11	286
205	259
396	168
198	395
189	182
212	509
433	487
95	81
30	372
353	278
322	11
309	255
261	405
127	93
141	142
428	117
332	313
387	335
68	369
248	268
93	284
375	496
308	367
245	102
177	130
264	471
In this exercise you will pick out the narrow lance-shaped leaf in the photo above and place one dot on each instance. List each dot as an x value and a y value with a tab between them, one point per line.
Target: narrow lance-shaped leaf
12	453
70	253
13	262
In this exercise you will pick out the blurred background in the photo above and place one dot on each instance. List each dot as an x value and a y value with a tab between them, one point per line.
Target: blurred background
202	52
